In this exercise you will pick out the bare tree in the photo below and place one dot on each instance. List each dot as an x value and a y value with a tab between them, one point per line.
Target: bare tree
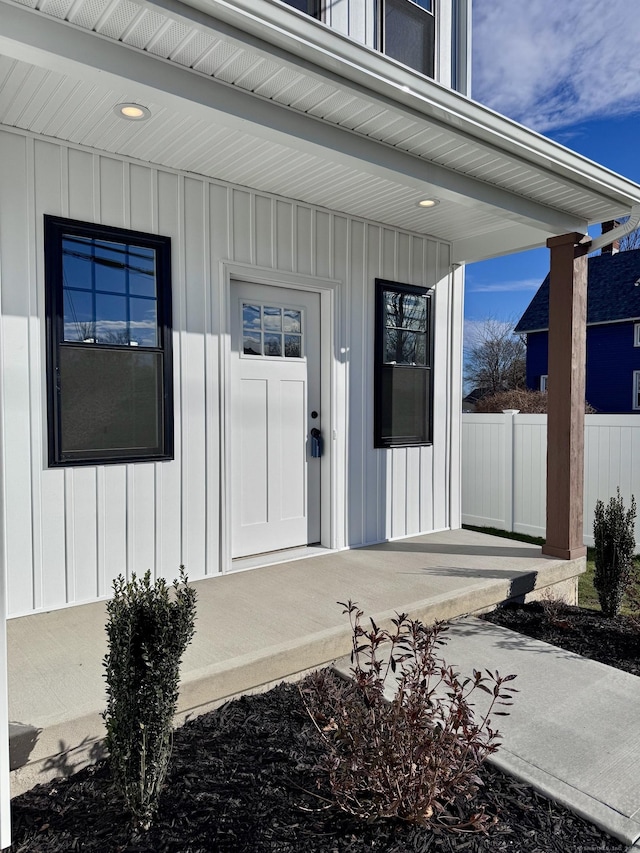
630	241
495	359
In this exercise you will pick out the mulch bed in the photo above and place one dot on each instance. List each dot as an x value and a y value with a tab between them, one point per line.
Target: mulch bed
244	779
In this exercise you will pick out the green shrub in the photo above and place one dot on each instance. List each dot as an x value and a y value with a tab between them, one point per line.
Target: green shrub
149	628
613	531
409	757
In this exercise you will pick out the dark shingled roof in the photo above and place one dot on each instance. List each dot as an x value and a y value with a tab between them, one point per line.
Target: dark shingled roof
612	294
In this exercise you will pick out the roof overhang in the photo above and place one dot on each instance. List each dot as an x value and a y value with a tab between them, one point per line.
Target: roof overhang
254	93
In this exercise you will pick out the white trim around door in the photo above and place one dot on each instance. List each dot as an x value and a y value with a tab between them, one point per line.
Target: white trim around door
332	498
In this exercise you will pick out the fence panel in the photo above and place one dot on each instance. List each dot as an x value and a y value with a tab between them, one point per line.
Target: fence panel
504	469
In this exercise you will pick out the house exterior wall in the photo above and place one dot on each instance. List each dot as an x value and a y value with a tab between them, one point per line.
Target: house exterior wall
70	531
611	361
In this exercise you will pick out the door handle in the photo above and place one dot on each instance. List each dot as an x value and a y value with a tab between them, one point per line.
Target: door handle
316	443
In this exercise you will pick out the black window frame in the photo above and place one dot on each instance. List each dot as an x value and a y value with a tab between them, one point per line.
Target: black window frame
381	403
55	230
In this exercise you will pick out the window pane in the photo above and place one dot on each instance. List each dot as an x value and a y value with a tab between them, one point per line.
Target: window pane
272	344
293	346
251	317
111	319
292	321
405	401
252	344
409	34
110	400
77	266
142	275
110	261
78	316
143	323
405	310
405	347
272	319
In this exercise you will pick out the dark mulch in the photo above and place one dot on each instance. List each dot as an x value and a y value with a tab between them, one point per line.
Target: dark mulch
243	779
615	642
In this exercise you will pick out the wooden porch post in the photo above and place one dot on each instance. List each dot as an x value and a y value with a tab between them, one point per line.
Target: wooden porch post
566	390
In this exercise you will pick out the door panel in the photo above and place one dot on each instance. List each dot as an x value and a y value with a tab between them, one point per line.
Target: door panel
275	385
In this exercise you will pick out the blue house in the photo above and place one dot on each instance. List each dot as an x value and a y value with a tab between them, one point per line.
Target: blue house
613	333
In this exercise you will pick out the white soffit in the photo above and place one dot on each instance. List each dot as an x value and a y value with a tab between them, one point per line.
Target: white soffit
491	200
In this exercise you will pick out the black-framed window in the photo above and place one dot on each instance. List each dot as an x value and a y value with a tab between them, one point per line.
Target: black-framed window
109	365
409	33
403	387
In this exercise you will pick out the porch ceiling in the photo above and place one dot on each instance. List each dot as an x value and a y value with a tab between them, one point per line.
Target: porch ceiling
310	115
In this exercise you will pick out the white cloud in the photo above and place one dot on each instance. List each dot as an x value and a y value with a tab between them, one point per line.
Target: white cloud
531	284
551	63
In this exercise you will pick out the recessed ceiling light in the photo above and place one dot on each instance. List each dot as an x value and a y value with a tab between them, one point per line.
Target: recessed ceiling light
132	112
428	202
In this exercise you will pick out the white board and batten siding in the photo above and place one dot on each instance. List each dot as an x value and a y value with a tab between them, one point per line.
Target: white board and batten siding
70	531
504	459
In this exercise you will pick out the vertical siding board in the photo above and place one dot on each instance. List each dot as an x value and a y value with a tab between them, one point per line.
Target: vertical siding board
112	192
111	489
82	512
48	518
169	552
241	218
81	184
387	509
440	385
193	379
263	231
304	240
404	258
284	235
14	273
141	524
358	402
142	199
323	238
374	485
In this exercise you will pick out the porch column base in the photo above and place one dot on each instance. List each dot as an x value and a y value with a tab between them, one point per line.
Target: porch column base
564	553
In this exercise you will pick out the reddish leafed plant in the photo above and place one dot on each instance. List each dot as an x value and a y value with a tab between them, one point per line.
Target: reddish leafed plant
414	754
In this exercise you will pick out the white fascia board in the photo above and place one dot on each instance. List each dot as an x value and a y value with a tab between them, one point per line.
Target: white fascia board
44	41
320	46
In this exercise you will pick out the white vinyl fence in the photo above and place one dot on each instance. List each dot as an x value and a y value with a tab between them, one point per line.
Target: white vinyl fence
504	458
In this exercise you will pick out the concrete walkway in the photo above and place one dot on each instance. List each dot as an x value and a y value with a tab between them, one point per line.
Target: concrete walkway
573	732
253	628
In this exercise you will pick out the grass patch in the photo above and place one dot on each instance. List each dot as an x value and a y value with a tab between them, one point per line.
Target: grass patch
587	595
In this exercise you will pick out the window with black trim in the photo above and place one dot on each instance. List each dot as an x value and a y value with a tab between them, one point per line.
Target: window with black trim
109	366
403	383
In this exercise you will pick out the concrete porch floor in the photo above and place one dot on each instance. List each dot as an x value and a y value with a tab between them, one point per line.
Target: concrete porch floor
254	628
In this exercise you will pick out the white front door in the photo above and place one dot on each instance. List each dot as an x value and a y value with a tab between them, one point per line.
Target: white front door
275	403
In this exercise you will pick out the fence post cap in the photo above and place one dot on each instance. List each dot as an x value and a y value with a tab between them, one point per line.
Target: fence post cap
510	411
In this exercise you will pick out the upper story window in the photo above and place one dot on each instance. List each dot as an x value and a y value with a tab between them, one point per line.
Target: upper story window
408	33
108	300
405	29
636	334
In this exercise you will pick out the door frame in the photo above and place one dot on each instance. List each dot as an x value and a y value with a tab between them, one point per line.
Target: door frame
331	483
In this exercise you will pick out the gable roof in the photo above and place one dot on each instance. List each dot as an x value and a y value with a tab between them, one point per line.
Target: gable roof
613	293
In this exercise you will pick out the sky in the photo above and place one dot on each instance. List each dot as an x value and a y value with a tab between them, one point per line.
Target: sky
569	69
